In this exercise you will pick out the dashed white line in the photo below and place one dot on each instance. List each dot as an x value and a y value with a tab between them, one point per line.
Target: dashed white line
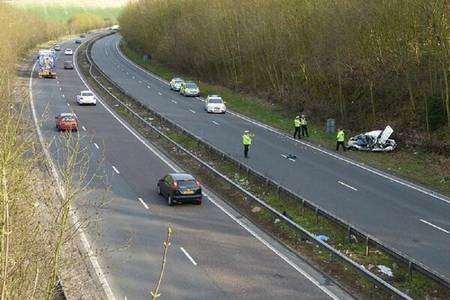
192	111
346	185
188	256
96	146
68	104
215	123
60	88
64	96
143	203
148	86
84	128
159	93
115	170
434	226
174	101
140	81
134	77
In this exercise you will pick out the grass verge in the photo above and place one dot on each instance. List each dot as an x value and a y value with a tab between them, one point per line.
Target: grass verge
353	246
426	168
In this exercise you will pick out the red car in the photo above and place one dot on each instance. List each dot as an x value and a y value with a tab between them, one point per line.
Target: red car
66	122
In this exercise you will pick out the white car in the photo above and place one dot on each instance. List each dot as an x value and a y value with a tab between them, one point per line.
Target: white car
86	97
175	84
68	51
215	104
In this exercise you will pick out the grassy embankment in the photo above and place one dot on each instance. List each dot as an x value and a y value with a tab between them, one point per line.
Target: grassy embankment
35	226
392	70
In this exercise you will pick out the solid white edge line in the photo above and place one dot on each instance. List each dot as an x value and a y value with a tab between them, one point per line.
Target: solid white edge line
96	146
84	241
267	127
435	226
188	256
347	185
176	169
115	169
143	203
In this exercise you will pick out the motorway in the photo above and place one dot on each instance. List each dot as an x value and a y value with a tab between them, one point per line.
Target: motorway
215	252
402	215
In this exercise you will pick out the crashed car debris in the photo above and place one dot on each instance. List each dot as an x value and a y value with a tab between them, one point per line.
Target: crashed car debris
374	141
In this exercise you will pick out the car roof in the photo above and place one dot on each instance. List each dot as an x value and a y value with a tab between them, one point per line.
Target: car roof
215	96
68	62
177	79
67	115
182	176
86	91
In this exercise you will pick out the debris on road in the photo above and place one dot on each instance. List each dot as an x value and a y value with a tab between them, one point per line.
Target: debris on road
374	141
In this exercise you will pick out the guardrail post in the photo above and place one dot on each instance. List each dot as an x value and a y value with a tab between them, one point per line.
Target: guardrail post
317	215
410	269
367	246
279	192
303	206
349	234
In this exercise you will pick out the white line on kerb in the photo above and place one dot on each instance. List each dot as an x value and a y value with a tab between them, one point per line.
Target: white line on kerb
115	170
346	185
215	123
96	146
435	226
174	101
192	111
84	128
143	203
188	256
84	241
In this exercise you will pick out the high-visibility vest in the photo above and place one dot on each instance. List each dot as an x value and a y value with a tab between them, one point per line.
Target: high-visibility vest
340	136
303	121
297	122
246	139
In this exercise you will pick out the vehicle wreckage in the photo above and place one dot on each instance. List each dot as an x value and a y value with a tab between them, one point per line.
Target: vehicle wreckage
374	141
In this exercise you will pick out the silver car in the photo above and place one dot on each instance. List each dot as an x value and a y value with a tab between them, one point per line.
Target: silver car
175	84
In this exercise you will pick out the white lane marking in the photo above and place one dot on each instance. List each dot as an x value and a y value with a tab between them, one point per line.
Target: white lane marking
291	159
284	156
140	81
134	77
128	73
269	128
148	86
96	146
176	169
346	185
159	93
84	241
115	170
84	128
192	111
188	256
64	96
143	203
435	226
60	88
174	101
215	123
287	157
57	82
68	104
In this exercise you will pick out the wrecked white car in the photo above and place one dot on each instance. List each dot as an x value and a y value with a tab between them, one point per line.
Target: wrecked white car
374	141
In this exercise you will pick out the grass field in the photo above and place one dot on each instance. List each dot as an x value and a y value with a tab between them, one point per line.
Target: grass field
62	10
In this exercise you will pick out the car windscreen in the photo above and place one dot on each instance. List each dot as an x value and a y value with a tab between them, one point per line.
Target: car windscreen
191	85
187	184
87	94
68	119
215	101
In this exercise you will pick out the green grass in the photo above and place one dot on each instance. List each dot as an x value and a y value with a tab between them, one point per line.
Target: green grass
429	169
62	13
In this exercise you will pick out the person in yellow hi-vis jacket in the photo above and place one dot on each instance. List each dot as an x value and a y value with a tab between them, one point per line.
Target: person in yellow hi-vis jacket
247	139
297	125
340	138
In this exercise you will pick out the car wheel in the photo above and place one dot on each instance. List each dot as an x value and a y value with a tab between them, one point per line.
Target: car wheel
169	200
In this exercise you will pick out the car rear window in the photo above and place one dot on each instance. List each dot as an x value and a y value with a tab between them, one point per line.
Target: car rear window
87	94
187	184
215	100
68	119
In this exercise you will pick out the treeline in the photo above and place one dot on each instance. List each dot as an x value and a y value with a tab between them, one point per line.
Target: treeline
366	63
33	226
83	22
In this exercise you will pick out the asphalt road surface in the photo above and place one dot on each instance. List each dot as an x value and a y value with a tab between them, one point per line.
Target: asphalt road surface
404	216
215	253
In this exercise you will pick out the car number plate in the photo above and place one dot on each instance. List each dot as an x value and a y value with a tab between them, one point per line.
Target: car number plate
188	192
